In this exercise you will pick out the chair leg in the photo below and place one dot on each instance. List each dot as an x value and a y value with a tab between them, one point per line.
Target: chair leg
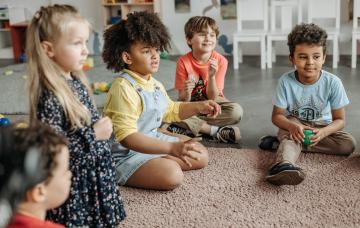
353	52
263	52
269	53
335	52
240	54
235	54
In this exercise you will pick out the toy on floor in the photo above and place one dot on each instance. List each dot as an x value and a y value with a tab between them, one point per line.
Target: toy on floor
4	121
100	87
164	55
8	72
22	125
89	63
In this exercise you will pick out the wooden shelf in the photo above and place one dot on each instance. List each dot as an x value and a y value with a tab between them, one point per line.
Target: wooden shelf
114	9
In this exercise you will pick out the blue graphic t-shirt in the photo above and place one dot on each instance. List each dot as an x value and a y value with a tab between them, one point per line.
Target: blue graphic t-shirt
312	103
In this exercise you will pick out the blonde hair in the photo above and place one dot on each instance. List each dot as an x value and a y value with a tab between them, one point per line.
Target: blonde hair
49	24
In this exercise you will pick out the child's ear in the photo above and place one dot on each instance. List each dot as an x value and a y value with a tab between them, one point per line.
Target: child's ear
188	41
291	59
37	194
126	57
48	48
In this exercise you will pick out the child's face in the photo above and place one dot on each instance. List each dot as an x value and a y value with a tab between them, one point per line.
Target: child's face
58	187
142	59
70	51
204	41
308	60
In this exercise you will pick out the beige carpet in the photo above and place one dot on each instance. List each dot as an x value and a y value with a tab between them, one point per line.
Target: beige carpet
231	192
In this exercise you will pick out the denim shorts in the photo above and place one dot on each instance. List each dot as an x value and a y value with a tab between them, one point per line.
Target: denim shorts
128	161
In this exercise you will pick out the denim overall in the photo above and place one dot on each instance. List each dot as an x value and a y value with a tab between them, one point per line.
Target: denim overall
154	106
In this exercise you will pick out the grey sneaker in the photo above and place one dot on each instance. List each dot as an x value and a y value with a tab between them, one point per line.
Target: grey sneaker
179	130
285	174
228	134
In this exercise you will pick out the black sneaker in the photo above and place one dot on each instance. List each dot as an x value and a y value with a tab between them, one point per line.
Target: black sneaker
269	142
228	134
285	174
178	130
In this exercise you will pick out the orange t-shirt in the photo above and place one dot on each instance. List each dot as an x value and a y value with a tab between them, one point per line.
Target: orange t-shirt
187	65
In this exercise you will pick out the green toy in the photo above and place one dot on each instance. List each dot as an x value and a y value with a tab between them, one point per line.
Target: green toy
164	55
308	133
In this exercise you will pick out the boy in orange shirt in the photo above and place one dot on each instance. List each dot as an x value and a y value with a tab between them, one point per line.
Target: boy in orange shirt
200	76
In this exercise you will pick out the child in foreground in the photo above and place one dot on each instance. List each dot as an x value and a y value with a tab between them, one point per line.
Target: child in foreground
52	186
61	97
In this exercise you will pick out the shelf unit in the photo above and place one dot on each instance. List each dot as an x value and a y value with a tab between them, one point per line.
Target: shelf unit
115	10
5	36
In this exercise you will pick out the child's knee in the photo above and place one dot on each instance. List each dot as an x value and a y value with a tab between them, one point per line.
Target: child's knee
173	177
347	146
236	113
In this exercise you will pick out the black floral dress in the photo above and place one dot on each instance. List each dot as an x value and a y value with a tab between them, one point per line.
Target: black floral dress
94	199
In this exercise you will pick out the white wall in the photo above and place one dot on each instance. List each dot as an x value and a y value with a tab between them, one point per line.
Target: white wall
176	21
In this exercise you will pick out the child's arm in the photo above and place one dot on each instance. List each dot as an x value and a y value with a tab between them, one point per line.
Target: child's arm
212	90
184	83
338	123
144	144
185	93
209	108
216	77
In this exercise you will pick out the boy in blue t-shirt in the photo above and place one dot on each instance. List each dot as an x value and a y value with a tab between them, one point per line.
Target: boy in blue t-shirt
308	98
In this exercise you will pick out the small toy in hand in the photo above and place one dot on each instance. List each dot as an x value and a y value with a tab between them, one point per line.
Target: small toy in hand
101	87
4	121
192	77
308	133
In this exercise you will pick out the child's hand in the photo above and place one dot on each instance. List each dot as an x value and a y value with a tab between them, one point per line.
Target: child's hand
297	132
189	85
103	128
319	135
213	67
185	150
209	108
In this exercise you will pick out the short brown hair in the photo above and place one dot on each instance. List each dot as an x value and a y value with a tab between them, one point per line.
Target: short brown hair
41	137
198	24
307	33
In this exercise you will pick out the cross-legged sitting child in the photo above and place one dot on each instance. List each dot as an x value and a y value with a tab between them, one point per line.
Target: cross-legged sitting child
200	75
308	98
137	104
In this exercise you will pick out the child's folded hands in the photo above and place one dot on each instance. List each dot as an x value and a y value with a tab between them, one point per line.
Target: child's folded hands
188	149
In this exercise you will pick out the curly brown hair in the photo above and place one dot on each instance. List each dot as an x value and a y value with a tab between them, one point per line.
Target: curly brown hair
41	137
307	33
142	27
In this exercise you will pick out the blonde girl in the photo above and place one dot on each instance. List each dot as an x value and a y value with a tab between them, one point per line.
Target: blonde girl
60	96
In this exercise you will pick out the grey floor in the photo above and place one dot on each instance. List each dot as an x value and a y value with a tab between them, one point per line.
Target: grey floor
253	88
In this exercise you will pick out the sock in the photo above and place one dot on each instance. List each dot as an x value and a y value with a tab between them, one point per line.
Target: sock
213	130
